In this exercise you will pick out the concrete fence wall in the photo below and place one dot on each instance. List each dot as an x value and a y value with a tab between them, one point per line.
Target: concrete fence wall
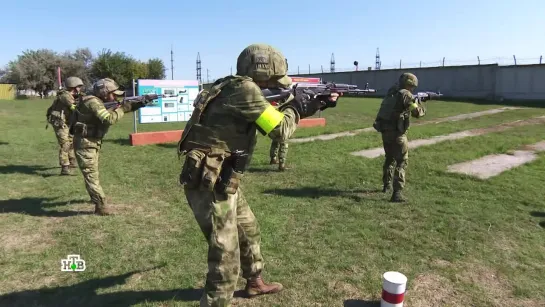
491	82
521	82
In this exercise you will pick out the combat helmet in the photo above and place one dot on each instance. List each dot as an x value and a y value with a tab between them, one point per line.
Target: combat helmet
73	82
263	62
408	79
103	87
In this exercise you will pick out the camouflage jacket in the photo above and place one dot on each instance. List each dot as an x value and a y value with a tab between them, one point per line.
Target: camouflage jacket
227	117
61	109
91	112
398	105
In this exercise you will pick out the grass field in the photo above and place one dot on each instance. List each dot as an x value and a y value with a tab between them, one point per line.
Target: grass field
328	233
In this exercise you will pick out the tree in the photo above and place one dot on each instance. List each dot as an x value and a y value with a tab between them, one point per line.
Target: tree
34	69
156	69
77	64
118	66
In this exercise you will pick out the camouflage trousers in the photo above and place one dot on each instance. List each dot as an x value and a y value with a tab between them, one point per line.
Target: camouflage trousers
66	150
87	152
396	148
234	239
279	150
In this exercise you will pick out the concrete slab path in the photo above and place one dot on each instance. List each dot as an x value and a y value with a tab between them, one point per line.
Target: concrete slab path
379	151
493	165
326	137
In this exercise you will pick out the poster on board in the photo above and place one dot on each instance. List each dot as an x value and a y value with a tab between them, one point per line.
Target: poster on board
175	104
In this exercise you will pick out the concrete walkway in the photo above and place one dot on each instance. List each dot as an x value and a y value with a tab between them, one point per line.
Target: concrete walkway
493	165
379	151
326	137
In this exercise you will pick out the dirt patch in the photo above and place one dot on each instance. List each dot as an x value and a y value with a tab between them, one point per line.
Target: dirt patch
326	137
493	165
495	287
379	151
537	147
31	235
346	289
431	290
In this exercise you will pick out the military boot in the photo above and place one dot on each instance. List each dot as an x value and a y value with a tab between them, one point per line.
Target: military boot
273	161
73	164
397	198
256	286
385	188
282	166
100	209
65	171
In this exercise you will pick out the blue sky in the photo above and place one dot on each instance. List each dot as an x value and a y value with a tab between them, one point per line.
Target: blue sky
307	32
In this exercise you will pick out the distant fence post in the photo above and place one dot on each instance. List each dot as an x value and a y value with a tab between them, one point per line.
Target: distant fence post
297	69
540	58
309	69
443	61
515	59
420	64
399	63
479	60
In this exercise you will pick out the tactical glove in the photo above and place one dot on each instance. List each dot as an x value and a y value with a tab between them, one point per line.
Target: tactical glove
131	106
305	103
127	107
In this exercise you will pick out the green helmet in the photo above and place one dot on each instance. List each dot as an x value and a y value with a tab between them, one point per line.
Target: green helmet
408	79
73	82
264	63
103	87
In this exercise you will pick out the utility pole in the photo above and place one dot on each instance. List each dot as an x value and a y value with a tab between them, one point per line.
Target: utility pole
332	63
171	62
377	61
207	75
199	68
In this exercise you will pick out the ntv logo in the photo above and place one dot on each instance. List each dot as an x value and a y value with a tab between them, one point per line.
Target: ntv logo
73	263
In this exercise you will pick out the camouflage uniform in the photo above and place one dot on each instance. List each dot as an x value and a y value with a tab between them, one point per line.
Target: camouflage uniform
58	116
226	119
92	124
278	151
393	120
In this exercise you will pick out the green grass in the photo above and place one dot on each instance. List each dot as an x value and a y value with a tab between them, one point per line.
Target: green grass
328	235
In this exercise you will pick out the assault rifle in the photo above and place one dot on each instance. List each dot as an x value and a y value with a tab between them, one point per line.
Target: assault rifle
146	99
425	96
319	90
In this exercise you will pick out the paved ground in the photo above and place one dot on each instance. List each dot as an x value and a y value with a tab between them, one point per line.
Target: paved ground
326	137
493	165
379	151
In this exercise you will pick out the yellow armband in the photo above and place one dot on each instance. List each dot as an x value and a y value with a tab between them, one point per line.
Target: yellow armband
269	119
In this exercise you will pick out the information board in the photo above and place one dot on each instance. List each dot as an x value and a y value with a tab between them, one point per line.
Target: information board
175	104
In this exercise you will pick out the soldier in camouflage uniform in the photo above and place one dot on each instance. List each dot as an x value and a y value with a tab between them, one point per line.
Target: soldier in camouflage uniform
92	123
393	121
58	115
278	153
215	141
